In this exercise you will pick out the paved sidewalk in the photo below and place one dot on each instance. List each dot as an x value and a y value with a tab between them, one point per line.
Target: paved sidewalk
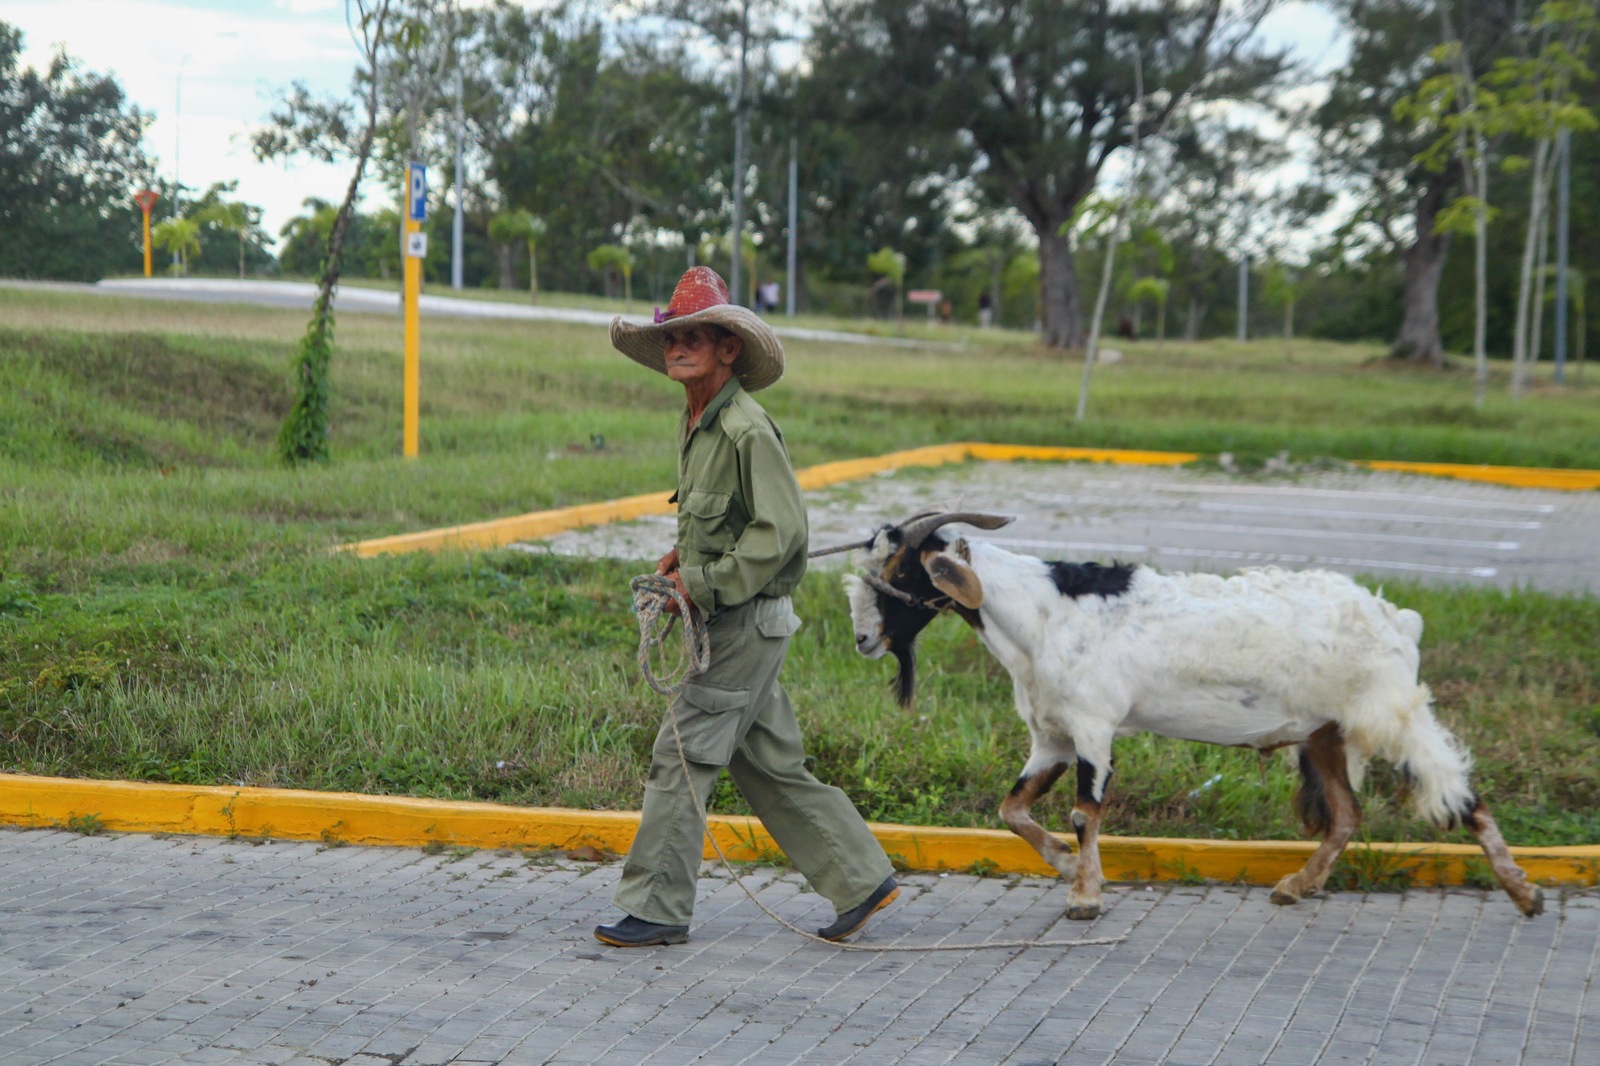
140	950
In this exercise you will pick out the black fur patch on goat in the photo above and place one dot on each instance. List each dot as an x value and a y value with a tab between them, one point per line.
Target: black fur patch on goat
903	623
1091	579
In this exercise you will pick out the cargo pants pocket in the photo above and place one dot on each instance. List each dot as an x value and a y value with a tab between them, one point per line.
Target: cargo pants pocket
705	725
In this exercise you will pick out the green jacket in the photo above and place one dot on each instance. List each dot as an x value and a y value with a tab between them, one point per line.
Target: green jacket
741	521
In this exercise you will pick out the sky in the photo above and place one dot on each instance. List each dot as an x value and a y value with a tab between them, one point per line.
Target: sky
209	70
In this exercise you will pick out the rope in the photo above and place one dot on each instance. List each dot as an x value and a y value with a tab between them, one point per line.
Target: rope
651	595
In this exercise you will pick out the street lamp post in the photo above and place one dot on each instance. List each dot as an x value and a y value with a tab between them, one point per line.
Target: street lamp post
177	152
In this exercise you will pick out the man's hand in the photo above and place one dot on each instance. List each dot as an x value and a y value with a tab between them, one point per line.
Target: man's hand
668	567
677	580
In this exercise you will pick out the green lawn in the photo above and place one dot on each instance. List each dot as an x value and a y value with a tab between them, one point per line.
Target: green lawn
169	608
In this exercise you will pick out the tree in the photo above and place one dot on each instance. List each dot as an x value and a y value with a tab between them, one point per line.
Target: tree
1537	99
1283	284
233	217
304	434
1038	94
71	157
511	226
181	237
1155	290
890	266
724	21
613	257
1372	141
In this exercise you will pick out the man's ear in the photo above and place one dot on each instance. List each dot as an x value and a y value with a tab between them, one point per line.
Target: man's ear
729	348
954	578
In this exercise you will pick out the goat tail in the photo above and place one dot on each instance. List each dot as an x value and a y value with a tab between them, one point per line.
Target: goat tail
1435	764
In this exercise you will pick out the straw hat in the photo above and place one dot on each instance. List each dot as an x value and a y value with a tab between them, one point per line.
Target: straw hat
702	297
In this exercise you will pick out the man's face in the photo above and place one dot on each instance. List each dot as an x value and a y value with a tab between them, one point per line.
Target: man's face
700	354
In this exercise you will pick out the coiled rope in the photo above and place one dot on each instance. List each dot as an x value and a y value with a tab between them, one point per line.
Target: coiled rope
652	593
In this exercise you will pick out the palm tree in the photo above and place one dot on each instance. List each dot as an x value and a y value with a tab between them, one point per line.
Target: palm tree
231	217
615	257
181	236
892	265
509	227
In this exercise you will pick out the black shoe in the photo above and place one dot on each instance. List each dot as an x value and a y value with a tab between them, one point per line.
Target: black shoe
634	932
850	922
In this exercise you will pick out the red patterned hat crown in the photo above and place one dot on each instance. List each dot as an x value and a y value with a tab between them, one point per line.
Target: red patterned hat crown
699	289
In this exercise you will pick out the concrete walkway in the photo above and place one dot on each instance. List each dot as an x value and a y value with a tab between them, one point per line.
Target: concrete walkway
139	950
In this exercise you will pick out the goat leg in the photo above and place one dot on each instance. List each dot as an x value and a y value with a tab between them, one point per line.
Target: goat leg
1328	806
1528	896
1017	810
1084	903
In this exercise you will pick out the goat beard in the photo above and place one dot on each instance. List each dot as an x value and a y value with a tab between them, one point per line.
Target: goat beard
905	682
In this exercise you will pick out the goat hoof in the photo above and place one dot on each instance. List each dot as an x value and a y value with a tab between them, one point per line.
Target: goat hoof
1083	912
1284	898
1535	903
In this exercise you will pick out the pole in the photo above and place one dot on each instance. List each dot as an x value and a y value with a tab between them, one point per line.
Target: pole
794	220
1244	296
146	213
413	277
456	224
738	156
1563	203
416	212
177	146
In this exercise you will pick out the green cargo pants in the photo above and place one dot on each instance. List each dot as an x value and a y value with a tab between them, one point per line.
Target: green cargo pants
737	715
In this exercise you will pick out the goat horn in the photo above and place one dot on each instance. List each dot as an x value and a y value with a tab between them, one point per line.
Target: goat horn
917	528
839	548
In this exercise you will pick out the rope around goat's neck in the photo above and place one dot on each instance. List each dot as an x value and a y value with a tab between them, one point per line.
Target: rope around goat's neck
651	595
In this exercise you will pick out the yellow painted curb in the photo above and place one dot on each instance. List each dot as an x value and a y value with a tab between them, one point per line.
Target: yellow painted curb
1522	477
500	531
349	818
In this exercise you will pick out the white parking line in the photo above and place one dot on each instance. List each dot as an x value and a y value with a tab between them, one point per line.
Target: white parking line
1372	516
1343	494
1362	535
1257	558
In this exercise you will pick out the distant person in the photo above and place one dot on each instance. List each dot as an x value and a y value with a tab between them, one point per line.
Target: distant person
985	311
741	549
1125	328
771	293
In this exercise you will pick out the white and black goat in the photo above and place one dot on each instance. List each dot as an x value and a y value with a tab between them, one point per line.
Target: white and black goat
1263	659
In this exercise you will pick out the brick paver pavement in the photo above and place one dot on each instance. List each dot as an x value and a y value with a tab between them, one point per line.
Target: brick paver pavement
143	950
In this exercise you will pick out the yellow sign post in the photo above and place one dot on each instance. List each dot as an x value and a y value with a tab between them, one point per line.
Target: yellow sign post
146	200
415	250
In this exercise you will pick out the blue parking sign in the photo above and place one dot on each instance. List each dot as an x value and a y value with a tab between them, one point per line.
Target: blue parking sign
417	200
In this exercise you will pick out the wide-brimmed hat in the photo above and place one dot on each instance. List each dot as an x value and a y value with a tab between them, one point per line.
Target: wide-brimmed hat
702	297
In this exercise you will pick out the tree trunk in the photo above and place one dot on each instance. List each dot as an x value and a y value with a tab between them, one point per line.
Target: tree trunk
1191	321
1418	338
508	277
1058	288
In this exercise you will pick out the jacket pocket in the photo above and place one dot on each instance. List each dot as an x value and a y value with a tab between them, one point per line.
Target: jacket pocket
776	617
708	731
705	523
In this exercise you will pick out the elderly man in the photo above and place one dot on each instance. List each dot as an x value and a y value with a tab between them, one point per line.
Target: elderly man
741	549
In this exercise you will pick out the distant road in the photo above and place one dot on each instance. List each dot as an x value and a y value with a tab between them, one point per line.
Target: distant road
299	294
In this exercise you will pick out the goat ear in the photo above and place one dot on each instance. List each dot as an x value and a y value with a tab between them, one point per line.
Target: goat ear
954	578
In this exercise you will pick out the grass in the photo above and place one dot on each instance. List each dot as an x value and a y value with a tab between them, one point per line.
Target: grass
169	610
